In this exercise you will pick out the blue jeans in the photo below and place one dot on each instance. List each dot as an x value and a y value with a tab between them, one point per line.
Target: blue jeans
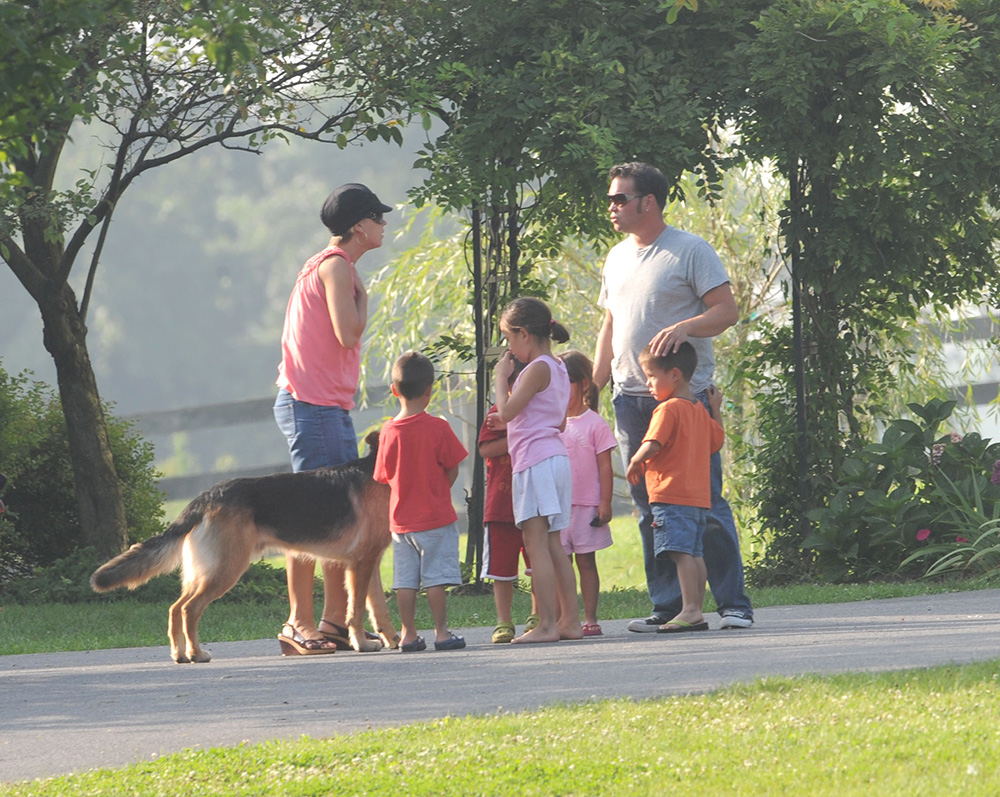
723	559
318	437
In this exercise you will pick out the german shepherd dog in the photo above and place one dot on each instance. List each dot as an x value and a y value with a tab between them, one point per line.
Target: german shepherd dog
337	513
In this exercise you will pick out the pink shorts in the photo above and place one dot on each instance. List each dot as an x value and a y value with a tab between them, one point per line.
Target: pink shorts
502	544
580	537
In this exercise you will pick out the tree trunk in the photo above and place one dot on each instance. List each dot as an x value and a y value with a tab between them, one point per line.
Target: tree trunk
98	491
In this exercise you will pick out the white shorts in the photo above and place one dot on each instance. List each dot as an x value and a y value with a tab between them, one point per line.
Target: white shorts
544	490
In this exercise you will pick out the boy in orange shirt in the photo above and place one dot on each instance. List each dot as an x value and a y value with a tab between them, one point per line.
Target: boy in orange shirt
418	457
674	459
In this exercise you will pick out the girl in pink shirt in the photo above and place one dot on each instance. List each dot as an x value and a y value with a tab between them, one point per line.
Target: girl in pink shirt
535	415
589	441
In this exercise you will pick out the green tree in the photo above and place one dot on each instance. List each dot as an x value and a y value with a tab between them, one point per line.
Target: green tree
882	118
155	81
540	98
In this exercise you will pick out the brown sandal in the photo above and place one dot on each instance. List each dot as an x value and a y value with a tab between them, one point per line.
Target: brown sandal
295	644
341	636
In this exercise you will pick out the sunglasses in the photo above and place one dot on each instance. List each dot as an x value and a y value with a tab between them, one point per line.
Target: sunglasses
622	199
375	216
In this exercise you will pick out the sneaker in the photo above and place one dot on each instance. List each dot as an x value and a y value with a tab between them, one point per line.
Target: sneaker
733	620
646	625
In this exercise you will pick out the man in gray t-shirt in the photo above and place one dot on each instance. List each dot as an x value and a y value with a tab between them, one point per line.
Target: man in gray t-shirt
661	287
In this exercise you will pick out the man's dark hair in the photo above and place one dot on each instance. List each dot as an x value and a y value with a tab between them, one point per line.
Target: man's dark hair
646	178
412	374
685	358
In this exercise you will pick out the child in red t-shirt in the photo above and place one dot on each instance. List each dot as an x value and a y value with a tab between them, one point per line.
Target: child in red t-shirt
675	461
503	543
418	457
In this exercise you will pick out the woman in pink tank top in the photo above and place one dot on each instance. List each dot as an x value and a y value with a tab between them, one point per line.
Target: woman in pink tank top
317	378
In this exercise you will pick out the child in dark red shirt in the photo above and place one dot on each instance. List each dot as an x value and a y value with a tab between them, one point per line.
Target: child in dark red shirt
503	543
418	457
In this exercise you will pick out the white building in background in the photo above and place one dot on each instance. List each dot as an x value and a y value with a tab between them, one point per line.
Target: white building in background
972	358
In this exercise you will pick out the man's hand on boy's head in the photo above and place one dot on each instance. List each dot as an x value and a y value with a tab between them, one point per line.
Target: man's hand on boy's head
669	339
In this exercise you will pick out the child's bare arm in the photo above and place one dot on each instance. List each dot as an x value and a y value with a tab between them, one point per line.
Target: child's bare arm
493	448
647	450
606	475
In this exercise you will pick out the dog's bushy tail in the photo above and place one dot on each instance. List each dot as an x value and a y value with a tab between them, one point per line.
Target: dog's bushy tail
145	560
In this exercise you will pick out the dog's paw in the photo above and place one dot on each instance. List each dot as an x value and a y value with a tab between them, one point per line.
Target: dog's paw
366	645
180	658
390	640
200	656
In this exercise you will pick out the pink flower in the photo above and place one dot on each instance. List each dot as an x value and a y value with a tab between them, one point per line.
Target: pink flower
923	534
960	539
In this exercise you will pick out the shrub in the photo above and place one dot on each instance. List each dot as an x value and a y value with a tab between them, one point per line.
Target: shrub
908	497
41	524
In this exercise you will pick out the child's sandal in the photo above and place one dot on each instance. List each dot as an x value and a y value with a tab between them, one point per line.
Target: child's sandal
504	632
531	623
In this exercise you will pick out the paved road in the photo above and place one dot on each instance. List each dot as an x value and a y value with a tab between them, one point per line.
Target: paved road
69	712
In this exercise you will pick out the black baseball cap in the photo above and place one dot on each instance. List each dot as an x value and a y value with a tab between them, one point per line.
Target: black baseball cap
348	205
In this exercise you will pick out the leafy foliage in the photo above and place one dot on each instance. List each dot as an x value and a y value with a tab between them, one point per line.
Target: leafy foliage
155	81
41	524
915	495
541	98
876	115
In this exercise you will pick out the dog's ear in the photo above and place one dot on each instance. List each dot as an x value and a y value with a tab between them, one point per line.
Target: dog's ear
372	440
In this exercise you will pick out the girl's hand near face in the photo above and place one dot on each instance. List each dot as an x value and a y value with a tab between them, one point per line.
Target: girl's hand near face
503	369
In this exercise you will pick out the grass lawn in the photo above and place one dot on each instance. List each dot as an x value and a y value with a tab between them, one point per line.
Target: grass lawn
923	732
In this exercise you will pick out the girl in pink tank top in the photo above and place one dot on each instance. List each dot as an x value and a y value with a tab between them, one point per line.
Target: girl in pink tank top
535	414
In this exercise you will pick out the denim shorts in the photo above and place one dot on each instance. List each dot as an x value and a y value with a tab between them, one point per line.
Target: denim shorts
422	559
318	436
678	529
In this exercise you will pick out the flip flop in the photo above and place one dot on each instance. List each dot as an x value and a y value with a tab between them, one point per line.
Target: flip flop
592	629
680	627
